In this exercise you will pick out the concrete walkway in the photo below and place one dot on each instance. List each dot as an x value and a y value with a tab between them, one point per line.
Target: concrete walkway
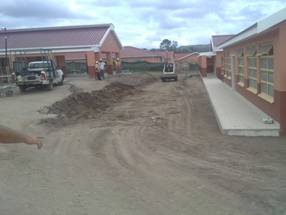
235	114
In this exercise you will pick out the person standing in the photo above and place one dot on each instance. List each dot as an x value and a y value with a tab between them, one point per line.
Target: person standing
97	70
118	65
101	69
109	65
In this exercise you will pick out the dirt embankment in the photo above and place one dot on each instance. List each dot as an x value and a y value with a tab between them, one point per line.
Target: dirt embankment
87	105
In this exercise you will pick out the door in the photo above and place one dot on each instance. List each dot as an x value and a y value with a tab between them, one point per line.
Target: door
233	71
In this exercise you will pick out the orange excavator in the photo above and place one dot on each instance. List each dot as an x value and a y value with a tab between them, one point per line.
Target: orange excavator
8	136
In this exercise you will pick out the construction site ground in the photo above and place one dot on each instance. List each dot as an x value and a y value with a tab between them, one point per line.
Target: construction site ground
133	145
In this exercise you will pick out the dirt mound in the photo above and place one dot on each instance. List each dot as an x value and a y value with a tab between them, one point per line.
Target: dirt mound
85	105
75	89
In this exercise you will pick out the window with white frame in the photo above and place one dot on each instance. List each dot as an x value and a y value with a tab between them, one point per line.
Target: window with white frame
266	59
252	67
227	66
240	69
222	65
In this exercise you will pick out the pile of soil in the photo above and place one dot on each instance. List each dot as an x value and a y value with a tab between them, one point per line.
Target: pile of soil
87	105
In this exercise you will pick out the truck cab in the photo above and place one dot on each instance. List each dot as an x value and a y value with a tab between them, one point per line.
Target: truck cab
40	74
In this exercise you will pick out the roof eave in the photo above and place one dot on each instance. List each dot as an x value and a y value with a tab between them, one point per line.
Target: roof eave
56	28
186	56
257	28
55	49
110	29
250	31
207	54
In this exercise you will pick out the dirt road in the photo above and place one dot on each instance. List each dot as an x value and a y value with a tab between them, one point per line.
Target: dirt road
158	151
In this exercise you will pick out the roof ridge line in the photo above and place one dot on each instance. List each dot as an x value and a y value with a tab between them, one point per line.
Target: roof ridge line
66	27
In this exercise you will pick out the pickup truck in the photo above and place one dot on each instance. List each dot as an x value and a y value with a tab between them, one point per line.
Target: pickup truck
40	74
169	73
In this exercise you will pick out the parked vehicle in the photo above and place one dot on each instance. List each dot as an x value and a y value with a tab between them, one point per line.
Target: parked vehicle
40	74
169	72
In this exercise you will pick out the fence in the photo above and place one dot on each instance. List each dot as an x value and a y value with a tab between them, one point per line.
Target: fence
6	79
142	66
76	67
194	66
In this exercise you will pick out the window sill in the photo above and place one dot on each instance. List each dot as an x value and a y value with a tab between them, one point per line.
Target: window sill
240	84
250	89
266	97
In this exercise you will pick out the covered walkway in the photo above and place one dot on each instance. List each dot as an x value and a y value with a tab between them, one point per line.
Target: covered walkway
236	115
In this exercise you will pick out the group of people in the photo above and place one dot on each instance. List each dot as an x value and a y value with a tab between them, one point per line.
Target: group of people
100	68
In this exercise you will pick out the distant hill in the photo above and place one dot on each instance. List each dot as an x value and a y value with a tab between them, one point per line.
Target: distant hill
194	48
191	48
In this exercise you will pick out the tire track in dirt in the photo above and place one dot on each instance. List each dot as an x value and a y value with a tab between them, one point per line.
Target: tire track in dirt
161	149
129	143
134	150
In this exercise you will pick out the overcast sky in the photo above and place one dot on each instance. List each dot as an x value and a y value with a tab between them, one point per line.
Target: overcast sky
143	23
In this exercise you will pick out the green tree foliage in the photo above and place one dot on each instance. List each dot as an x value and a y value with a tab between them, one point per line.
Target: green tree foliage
174	45
168	45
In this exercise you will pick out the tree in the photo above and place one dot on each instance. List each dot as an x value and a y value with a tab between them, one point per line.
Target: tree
174	45
165	44
168	45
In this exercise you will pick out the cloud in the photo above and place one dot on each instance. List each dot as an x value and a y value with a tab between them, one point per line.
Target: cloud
37	9
100	3
160	4
143	23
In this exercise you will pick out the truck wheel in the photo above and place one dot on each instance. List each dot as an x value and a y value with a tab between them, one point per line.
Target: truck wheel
22	89
50	86
62	82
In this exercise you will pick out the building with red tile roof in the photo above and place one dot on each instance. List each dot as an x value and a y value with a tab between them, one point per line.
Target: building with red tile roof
210	62
133	54
89	42
217	40
179	55
192	56
253	65
185	61
167	56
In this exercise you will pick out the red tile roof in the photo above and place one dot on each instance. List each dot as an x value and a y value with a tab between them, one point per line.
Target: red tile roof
133	52
186	56
219	39
180	55
54	36
165	54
